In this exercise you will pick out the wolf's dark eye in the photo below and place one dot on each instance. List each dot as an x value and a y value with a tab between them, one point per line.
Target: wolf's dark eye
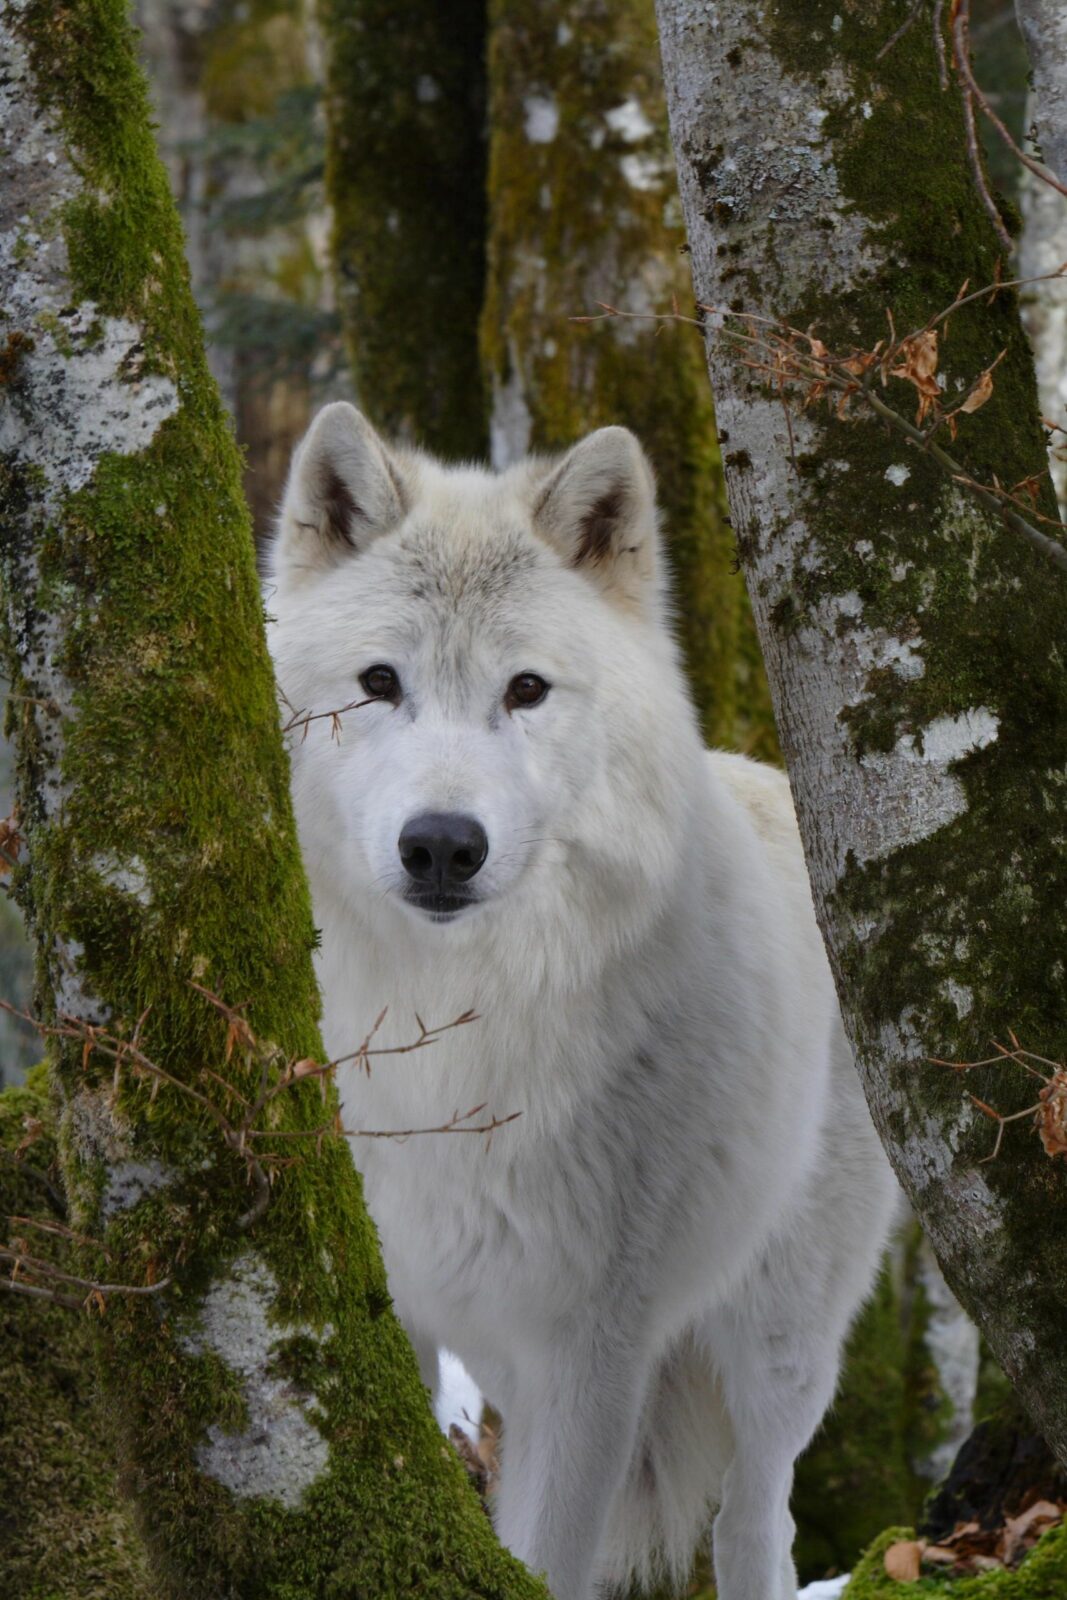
381	683
527	689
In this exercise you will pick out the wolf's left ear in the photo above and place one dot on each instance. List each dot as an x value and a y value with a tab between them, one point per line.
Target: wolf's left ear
345	488
598	507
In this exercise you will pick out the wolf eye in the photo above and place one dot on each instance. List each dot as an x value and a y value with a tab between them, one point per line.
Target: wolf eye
527	689
380	683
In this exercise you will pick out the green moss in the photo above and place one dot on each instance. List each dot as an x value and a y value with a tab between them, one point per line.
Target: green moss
1042	1576
406	179
569	229
175	775
254	54
64	1530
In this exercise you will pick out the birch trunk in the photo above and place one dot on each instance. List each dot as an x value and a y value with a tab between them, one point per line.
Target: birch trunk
1043	242
583	209
914	644
1043	25
269	1417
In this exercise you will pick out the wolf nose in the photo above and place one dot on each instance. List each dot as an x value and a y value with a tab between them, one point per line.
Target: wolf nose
442	848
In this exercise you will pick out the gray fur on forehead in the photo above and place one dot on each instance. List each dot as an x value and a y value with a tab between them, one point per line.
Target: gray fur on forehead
462	570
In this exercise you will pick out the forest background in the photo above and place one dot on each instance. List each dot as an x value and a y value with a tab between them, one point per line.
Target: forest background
434	277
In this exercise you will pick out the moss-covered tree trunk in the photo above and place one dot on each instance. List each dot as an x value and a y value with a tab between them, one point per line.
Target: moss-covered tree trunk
268	1412
405	103
65	1530
915	644
583	209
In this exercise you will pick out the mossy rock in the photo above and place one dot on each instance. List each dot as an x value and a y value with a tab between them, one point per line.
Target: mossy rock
1042	1576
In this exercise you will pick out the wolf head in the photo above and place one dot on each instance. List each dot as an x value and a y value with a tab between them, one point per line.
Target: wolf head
517	713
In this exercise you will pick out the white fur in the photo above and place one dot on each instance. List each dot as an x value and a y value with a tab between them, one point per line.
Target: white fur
650	1273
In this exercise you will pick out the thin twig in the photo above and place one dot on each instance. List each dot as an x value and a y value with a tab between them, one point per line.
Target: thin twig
909	21
14	1286
939	43
304	719
974	159
277	1073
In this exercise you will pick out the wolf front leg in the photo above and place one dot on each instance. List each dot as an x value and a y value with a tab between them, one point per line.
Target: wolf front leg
777	1348
775	1401
569	1433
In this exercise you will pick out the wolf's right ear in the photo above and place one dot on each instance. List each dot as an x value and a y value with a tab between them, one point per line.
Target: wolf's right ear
597	506
345	489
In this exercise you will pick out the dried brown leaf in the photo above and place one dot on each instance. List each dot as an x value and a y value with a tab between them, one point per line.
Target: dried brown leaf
1052	1114
979	394
903	1560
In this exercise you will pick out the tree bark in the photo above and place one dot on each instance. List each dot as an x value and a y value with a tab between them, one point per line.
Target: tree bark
583	210
914	643
1043	241
1043	25
405	103
64	1528
270	1421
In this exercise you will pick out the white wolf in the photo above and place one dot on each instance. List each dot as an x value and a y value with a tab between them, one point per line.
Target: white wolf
650	1272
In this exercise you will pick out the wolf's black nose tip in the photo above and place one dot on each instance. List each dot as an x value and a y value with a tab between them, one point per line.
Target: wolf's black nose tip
442	848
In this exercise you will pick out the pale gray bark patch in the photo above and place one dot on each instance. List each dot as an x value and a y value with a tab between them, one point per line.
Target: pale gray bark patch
129	876
80	393
128	1182
281	1452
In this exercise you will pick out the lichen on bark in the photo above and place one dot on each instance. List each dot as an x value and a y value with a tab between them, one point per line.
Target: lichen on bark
583	210
914	643
161	850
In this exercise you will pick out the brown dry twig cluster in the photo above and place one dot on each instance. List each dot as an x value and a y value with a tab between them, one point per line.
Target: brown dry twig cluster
30	1275
798	364
1049	1111
304	719
243	1120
